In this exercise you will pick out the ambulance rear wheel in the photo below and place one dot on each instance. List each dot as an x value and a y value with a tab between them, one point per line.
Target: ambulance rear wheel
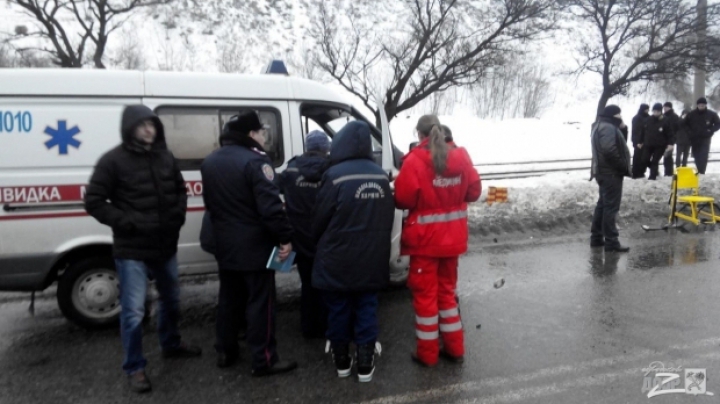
88	293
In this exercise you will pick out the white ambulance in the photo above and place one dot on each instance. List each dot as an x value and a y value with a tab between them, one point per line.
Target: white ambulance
56	123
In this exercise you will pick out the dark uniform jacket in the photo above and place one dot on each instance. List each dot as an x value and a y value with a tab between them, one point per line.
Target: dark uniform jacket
638	122
657	132
146	193
610	154
300	183
353	217
681	135
244	204
702	124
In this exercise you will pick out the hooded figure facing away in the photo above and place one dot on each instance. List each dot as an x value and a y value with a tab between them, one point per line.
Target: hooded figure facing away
137	189
353	221
300	184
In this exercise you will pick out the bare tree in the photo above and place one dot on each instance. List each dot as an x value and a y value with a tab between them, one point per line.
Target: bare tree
71	25
433	45
638	41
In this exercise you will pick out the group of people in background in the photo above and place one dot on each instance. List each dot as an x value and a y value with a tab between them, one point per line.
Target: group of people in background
654	137
337	216
658	134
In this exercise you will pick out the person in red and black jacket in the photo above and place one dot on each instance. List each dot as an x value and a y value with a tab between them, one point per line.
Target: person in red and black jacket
435	184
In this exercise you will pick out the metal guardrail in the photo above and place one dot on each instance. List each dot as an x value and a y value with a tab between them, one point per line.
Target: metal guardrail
526	170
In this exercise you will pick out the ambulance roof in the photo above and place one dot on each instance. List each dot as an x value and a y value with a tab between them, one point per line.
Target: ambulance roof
116	83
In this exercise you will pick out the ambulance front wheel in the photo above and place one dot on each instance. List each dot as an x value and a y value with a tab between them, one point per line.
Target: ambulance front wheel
88	293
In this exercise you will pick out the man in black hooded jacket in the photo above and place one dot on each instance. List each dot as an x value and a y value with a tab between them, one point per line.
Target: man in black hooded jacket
674	120
657	138
610	164
300	183
638	121
248	221
701	124
138	190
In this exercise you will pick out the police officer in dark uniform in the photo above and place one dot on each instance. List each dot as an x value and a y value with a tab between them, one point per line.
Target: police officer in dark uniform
248	221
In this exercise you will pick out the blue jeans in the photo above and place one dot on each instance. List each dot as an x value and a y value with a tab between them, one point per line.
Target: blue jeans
352	317
133	276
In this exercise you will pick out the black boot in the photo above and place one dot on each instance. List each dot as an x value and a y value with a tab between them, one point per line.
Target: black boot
341	357
366	361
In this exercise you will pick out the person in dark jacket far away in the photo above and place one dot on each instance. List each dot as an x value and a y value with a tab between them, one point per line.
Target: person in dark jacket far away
137	189
682	142
435	184
656	139
701	124
610	163
674	120
638	122
353	221
248	221
300	183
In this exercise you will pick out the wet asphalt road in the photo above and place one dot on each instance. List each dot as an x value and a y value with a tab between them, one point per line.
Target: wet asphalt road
570	325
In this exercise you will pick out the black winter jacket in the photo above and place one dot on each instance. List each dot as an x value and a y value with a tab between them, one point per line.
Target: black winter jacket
300	183
139	193
658	132
680	135
244	205
610	154
353	217
702	124
638	122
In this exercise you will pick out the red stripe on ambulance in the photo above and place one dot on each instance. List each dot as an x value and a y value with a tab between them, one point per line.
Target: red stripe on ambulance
65	193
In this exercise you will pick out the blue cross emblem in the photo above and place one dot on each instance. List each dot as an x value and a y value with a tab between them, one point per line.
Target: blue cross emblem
62	137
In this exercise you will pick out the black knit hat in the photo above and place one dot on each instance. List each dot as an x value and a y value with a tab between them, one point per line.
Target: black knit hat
668	104
702	100
611	110
644	107
657	107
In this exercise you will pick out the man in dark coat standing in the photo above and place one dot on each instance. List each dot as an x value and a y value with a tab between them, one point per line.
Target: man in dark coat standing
248	221
638	121
682	142
674	120
137	189
701	124
610	163
300	183
353	221
656	139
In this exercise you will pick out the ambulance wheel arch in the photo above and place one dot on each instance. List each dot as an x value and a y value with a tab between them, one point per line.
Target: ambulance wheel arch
88	288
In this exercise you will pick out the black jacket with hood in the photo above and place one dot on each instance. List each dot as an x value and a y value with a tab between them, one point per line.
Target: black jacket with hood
245	210
610	154
658	132
638	122
139	193
353	217
300	183
702	124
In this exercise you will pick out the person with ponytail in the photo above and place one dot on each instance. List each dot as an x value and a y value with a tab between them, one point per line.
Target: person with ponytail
435	184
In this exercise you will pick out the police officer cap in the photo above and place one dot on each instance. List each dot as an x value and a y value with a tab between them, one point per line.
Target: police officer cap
243	123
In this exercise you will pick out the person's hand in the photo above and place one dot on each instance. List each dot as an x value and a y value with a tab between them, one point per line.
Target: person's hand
640	146
285	250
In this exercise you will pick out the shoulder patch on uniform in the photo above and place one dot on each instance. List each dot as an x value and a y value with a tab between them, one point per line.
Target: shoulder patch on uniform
268	171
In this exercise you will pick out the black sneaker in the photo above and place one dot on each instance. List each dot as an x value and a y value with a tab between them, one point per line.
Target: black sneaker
366	361
139	382
183	350
341	357
618	248
276	369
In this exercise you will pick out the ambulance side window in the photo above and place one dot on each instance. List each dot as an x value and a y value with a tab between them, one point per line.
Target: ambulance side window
191	134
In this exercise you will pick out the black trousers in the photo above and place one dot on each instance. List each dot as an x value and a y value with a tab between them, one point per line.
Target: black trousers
682	153
668	164
652	157
638	163
313	313
256	289
701	151
604	227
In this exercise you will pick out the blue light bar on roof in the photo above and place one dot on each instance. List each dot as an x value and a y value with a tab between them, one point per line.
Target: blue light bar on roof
276	67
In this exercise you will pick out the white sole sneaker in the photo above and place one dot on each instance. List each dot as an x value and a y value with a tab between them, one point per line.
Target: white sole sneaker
345	372
366	378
